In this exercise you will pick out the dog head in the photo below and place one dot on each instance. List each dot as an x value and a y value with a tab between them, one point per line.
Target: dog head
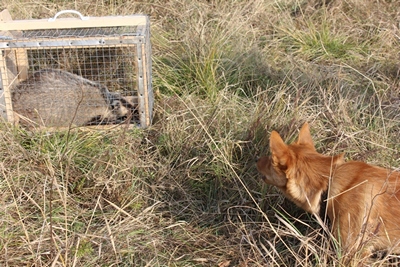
297	169
274	168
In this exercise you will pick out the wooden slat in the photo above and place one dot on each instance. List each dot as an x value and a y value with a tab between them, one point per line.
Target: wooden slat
22	63
146	95
8	77
70	23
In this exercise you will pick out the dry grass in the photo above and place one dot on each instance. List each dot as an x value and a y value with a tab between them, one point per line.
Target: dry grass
185	192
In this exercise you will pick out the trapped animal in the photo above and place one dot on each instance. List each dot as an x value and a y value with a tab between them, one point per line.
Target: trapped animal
52	97
363	201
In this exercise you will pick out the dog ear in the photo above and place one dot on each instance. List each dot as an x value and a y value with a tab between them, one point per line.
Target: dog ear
305	136
280	151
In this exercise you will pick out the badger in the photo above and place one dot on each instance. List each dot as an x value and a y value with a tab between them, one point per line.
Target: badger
57	98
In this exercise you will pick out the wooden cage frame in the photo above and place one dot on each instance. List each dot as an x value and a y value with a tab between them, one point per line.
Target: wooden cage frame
14	63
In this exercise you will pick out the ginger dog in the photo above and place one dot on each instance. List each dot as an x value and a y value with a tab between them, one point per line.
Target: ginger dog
363	202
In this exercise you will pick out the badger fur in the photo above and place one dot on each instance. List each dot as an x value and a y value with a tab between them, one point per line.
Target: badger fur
57	98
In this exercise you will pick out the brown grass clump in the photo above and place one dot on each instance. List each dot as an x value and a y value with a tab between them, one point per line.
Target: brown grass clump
185	192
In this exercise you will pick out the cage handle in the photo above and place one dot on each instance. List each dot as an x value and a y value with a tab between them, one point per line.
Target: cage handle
68	11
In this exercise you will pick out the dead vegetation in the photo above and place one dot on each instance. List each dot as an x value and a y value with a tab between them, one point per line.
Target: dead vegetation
185	192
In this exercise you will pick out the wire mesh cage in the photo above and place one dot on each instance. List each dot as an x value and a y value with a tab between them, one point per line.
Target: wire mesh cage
82	71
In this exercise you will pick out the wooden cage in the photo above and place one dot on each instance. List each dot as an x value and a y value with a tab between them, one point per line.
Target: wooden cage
72	64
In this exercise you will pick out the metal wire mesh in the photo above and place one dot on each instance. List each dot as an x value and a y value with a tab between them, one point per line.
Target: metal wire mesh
111	66
82	32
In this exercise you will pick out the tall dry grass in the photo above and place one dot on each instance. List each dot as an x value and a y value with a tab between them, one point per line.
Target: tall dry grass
185	192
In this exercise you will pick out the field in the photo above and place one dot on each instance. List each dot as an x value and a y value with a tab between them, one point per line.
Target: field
185	191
